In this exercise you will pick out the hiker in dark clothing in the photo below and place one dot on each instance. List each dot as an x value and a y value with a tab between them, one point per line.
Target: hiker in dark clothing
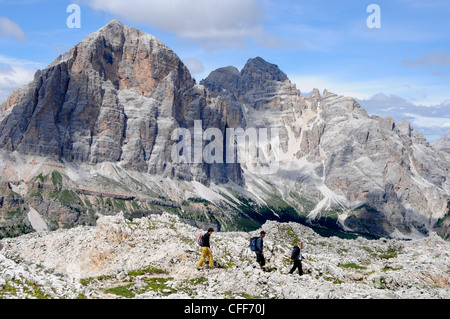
259	250
206	251
296	256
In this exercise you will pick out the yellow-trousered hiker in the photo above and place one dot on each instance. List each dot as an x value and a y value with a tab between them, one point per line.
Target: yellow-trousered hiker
206	250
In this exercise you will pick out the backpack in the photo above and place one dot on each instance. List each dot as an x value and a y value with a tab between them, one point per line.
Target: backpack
200	240
295	253
253	243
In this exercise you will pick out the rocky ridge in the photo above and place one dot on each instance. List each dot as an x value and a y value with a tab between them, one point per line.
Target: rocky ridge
92	134
443	143
365	173
156	257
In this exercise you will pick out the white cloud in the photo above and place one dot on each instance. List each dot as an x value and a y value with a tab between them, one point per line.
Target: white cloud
431	118
432	121
13	77
438	63
360	90
9	28
418	90
195	66
226	21
428	121
438	59
14	73
6	60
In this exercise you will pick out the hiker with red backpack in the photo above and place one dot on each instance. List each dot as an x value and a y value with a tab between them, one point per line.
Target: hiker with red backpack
203	241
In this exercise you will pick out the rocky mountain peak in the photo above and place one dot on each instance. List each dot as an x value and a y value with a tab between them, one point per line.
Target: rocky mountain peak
222	79
115	24
257	74
84	105
260	84
114	29
129	57
260	68
315	95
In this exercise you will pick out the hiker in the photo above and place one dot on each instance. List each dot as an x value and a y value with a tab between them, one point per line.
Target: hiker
206	250
259	250
296	256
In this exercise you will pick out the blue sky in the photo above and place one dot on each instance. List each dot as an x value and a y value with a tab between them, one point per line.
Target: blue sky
401	69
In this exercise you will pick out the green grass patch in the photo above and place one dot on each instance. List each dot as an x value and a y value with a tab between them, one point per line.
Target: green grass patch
122	291
151	284
57	179
390	253
14	287
352	266
41	177
198	200
148	270
67	197
88	281
198	281
158	284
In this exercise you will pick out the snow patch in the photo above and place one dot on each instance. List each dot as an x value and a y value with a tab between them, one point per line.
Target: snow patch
329	202
36	220
207	193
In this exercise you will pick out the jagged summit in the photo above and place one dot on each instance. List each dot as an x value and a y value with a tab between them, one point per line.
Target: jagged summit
259	84
255	73
115	24
258	67
114	35
226	78
84	104
112	29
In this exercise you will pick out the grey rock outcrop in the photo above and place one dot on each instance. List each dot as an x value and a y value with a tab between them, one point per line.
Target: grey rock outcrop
92	261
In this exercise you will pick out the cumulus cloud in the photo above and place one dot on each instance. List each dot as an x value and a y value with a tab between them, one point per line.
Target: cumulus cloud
429	122
9	28
7	60
436	62
12	78
14	73
225	22
441	60
194	65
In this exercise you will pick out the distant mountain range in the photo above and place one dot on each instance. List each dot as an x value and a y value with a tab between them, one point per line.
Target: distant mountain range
443	143
118	124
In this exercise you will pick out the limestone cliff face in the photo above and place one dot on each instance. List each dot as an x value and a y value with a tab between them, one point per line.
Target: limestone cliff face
115	97
260	84
370	174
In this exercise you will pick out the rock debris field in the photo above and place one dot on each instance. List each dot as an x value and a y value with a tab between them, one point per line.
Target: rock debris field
156	257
